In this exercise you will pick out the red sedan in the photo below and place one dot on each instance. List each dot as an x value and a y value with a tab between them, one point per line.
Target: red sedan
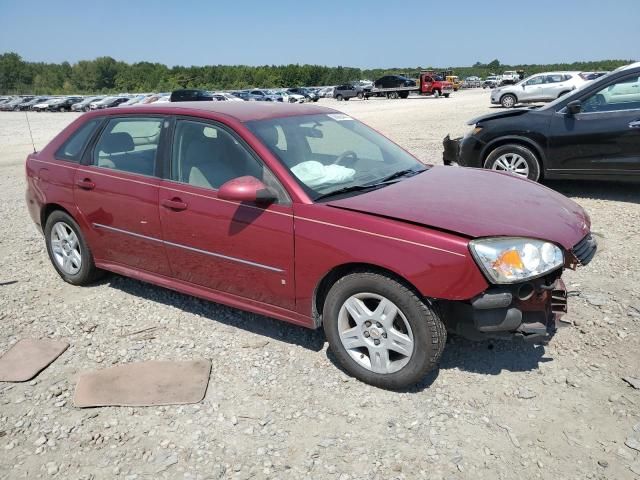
304	214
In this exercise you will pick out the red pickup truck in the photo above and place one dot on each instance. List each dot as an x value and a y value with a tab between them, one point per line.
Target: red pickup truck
430	83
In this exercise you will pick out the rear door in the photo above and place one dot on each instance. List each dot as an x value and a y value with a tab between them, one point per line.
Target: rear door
116	191
238	248
604	138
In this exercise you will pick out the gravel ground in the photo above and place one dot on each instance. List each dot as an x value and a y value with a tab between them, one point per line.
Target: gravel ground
277	406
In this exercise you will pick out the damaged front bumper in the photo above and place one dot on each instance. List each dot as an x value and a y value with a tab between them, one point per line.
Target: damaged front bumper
451	153
529	310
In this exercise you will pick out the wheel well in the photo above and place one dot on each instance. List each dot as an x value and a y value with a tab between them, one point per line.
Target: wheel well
523	143
563	93
48	210
335	274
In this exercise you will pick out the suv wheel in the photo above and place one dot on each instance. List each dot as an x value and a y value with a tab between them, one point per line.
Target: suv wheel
380	331
339	98
68	251
515	159
508	100
360	95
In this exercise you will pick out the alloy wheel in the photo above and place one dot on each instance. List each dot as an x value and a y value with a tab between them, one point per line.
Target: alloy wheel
375	333
66	248
512	163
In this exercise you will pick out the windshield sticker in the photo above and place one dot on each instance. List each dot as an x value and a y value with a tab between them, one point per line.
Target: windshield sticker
340	117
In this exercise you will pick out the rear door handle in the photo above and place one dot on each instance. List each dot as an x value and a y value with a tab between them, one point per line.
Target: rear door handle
86	184
635	124
174	204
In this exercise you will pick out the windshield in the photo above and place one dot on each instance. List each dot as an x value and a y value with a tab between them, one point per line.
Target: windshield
332	152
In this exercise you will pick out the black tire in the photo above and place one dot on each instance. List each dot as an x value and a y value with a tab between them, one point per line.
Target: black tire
429	333
404	95
533	163
446	95
346	99
88	273
339	97
508	100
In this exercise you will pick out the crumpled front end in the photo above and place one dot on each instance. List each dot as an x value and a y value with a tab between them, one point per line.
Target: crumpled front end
530	310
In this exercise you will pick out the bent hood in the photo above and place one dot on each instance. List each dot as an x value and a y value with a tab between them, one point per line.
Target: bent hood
476	203
512	112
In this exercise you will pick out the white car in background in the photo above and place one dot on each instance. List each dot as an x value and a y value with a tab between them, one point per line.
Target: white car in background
541	87
288	97
42	106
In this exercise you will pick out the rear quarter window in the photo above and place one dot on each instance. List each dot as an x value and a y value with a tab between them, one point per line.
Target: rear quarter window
72	149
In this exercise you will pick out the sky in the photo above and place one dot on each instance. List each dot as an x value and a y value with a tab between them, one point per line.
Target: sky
365	34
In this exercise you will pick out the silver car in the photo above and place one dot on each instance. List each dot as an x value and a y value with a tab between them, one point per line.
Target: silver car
541	87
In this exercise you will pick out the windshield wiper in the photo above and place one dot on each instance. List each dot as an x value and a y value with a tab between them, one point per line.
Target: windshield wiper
401	173
351	188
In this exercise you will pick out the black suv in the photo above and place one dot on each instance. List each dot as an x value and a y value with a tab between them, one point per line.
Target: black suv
394	81
590	133
187	95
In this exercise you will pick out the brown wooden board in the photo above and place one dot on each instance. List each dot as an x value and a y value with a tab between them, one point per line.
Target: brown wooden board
28	357
144	384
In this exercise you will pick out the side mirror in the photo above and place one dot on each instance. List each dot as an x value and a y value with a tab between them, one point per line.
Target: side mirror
524	85
246	189
574	107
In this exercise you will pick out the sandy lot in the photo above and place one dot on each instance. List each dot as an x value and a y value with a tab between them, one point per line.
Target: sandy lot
277	407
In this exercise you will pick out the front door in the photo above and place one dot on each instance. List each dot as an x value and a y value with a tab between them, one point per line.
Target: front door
531	89
604	137
117	195
241	249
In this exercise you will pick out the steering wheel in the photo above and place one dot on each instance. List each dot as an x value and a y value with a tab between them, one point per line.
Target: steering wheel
344	155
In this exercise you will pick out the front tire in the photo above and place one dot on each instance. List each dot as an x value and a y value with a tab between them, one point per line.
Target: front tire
380	331
68	251
515	159
339	98
508	101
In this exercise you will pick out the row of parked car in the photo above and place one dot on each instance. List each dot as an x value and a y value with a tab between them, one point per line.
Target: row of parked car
41	103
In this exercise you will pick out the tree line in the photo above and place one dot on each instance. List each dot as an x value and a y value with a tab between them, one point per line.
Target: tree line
107	75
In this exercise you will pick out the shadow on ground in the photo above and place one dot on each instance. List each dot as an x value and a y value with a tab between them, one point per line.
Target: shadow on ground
599	190
487	357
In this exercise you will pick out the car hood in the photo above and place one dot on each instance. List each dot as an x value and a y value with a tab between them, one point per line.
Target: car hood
476	203
513	112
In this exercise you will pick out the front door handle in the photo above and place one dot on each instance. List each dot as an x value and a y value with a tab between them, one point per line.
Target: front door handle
86	184
174	204
635	124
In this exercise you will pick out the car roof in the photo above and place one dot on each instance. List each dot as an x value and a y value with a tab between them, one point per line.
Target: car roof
241	111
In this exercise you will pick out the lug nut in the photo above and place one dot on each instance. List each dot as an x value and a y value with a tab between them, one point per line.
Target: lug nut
376	341
367	324
366	334
384	334
378	324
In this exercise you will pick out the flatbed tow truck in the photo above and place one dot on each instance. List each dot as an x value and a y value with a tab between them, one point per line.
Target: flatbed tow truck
429	83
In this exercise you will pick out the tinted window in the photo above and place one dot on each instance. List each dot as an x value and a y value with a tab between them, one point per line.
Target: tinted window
129	145
72	149
208	156
554	78
624	94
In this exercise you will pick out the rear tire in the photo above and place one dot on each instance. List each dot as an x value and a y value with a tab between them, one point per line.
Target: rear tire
446	95
68	251
404	95
512	158
400	324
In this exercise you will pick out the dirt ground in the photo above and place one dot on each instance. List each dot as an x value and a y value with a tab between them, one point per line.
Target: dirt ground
277	406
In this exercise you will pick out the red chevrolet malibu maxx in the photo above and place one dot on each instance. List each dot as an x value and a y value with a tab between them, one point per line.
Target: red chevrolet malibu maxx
304	214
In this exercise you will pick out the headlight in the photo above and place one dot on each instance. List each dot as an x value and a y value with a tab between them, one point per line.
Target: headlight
474	131
512	260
